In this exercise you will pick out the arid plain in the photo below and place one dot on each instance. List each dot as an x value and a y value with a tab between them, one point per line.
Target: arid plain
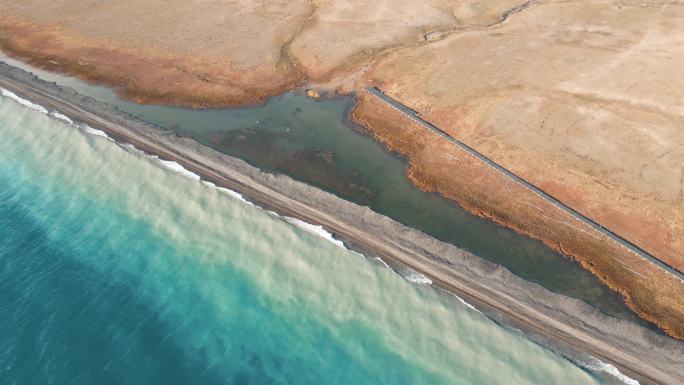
583	99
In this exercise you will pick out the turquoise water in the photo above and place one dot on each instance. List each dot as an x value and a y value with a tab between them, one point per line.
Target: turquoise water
116	270
312	141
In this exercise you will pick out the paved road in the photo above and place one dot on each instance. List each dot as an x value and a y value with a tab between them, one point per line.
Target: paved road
586	220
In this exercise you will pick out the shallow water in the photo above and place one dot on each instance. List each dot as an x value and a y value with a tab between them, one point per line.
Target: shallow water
115	269
313	141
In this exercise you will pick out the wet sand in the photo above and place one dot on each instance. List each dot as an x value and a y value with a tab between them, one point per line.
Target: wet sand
567	325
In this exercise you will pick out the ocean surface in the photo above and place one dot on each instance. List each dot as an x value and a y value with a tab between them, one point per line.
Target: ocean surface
117	268
313	141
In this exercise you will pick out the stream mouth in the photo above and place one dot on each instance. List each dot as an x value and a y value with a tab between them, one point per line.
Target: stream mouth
314	141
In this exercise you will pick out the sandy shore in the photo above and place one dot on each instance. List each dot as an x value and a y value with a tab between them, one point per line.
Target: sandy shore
567	325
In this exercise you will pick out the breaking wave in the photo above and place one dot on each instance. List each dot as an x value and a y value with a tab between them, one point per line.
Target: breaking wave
230	192
383	262
415	277
59	116
316	230
92	131
23	102
54	114
466	303
177	168
599	366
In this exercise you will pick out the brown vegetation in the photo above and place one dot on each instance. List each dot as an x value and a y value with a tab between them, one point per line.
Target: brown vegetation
582	99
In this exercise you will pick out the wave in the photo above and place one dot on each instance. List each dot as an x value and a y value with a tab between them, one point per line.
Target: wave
171	165
93	131
177	168
183	171
599	366
469	305
23	102
383	262
415	277
316	230
53	114
230	192
168	164
131	148
59	116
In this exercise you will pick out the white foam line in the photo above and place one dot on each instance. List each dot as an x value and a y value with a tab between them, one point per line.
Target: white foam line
131	148
316	230
169	164
53	114
308	227
416	277
230	192
175	167
23	102
59	116
92	131
182	170
468	305
383	262
597	365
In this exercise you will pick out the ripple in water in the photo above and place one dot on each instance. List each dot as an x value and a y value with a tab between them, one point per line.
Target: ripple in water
115	270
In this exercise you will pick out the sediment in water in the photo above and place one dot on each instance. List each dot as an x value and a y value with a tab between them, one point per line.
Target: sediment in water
565	324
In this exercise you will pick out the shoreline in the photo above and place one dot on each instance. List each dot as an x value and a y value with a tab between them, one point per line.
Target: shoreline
645	287
672	270
553	320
